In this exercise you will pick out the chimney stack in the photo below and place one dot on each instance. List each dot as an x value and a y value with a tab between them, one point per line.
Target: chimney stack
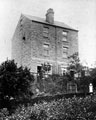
50	16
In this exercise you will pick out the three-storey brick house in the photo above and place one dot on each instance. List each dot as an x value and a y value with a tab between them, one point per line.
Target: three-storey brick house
37	41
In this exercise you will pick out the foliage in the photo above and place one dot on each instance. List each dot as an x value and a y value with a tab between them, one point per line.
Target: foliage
83	84
14	82
53	84
93	76
74	62
46	67
82	79
61	109
42	72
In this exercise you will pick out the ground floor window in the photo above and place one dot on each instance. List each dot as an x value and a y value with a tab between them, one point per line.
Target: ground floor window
63	70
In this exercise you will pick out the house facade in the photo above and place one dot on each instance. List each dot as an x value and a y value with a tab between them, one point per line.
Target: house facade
37	41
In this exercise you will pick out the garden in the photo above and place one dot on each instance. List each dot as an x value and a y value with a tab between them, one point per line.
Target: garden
23	99
75	108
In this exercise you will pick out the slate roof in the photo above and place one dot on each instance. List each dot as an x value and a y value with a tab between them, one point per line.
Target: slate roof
42	20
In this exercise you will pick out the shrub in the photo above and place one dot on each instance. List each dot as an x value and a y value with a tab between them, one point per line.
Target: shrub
14	83
53	84
3	113
62	109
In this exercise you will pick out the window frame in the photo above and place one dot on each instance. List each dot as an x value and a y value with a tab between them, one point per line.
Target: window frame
46	49
45	31
64	51
64	36
63	33
63	70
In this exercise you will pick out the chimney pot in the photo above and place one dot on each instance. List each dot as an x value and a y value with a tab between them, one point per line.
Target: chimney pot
50	16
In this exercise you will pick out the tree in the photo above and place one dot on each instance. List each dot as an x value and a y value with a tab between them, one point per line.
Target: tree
46	67
76	67
74	63
42	74
14	81
44	70
93	77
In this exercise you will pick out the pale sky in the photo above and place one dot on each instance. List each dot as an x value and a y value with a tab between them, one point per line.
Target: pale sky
79	14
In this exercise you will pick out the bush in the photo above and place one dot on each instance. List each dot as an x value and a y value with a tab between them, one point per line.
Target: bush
62	109
14	83
53	84
4	113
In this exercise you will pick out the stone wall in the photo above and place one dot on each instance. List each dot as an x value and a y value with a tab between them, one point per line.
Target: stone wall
28	45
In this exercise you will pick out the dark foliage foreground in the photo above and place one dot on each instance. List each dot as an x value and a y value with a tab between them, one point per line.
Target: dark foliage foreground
63	109
15	83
